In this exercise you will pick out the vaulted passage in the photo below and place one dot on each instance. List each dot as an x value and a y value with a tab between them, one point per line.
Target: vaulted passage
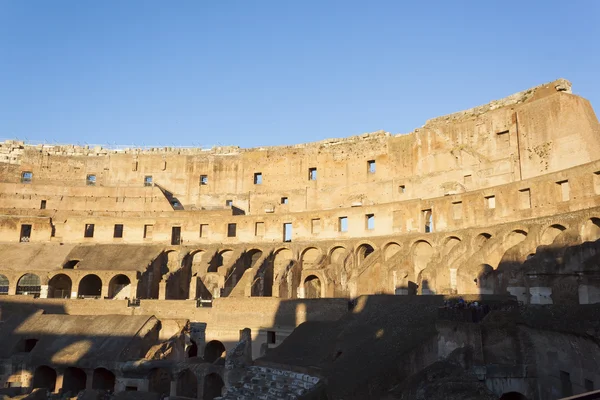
312	287
187	384
74	380
119	287
213	385
29	284
44	377
59	287
90	286
103	379
213	351
159	381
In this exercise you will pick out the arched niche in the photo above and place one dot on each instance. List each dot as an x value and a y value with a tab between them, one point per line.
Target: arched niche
313	288
29	284
310	258
213	351
422	253
119	287
590	231
551	233
90	286
390	250
59	287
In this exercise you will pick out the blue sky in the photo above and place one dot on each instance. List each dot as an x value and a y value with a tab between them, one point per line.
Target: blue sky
261	72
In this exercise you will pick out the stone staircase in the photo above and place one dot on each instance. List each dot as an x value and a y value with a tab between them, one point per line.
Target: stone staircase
264	383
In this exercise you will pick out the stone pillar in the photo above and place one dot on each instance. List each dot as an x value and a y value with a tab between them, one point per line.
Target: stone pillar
193	288
73	295
162	290
43	291
173	390
104	292
89	379
12	287
60	376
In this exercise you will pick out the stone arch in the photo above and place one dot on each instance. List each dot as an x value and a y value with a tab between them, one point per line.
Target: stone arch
513	238
220	259
313	288
90	286
252	257
119	287
213	386
59	287
337	254
449	243
159	381
29	284
551	233
390	249
480	240
590	231
363	251
4	284
44	377
213	351
484	279
103	379
513	396
310	258
422	252
192	350
187	384
287	273
74	380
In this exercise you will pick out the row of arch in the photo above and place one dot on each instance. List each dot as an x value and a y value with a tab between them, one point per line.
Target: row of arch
74	379
60	285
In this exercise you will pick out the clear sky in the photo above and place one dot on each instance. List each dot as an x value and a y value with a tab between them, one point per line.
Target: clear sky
271	72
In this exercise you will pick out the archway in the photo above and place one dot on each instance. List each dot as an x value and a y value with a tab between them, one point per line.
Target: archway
252	257
213	351
480	240
310	258
336	256
187	384
312	287
213	386
513	396
74	380
590	231
159	381
363	251
551	233
220	259
44	377
422	253
103	379
192	350
4	283
90	286
450	243
29	284
484	279
59	287
287	274
390	250
118	287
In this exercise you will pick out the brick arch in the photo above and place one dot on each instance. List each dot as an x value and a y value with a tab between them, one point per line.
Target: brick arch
323	282
310	256
89	285
549	233
390	249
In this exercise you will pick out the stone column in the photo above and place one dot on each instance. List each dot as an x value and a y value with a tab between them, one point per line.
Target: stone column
162	290
104	292
12	287
193	288
43	291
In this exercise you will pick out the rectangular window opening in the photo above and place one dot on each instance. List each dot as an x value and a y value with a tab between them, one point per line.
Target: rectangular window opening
148	180
503	139
203	179
134	166
565	383
315	225
427	220
258	178
588	384
287	232
90	180
259	229
564	190
284	200
231	230
25	233
343	224
26	176
524	198
118	231
176	235
89	231
43	205
312	174
148	231
370	221
457	210
203	230
271	337
468	179
490	202
228	203
371	166
402	189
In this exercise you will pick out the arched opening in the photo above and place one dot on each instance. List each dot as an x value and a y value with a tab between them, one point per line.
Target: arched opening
287	274
450	243
192	350
363	251
310	258
390	250
514	238
551	233
27	345
484	279
422	253
29	284
74	380
312	287
119	287
103	379
213	351
44	377
71	264
480	240
337	255
187	384
220	259
198	261
3	284
590	231
213	386
252	257
59	287
159	381
90	286
513	396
